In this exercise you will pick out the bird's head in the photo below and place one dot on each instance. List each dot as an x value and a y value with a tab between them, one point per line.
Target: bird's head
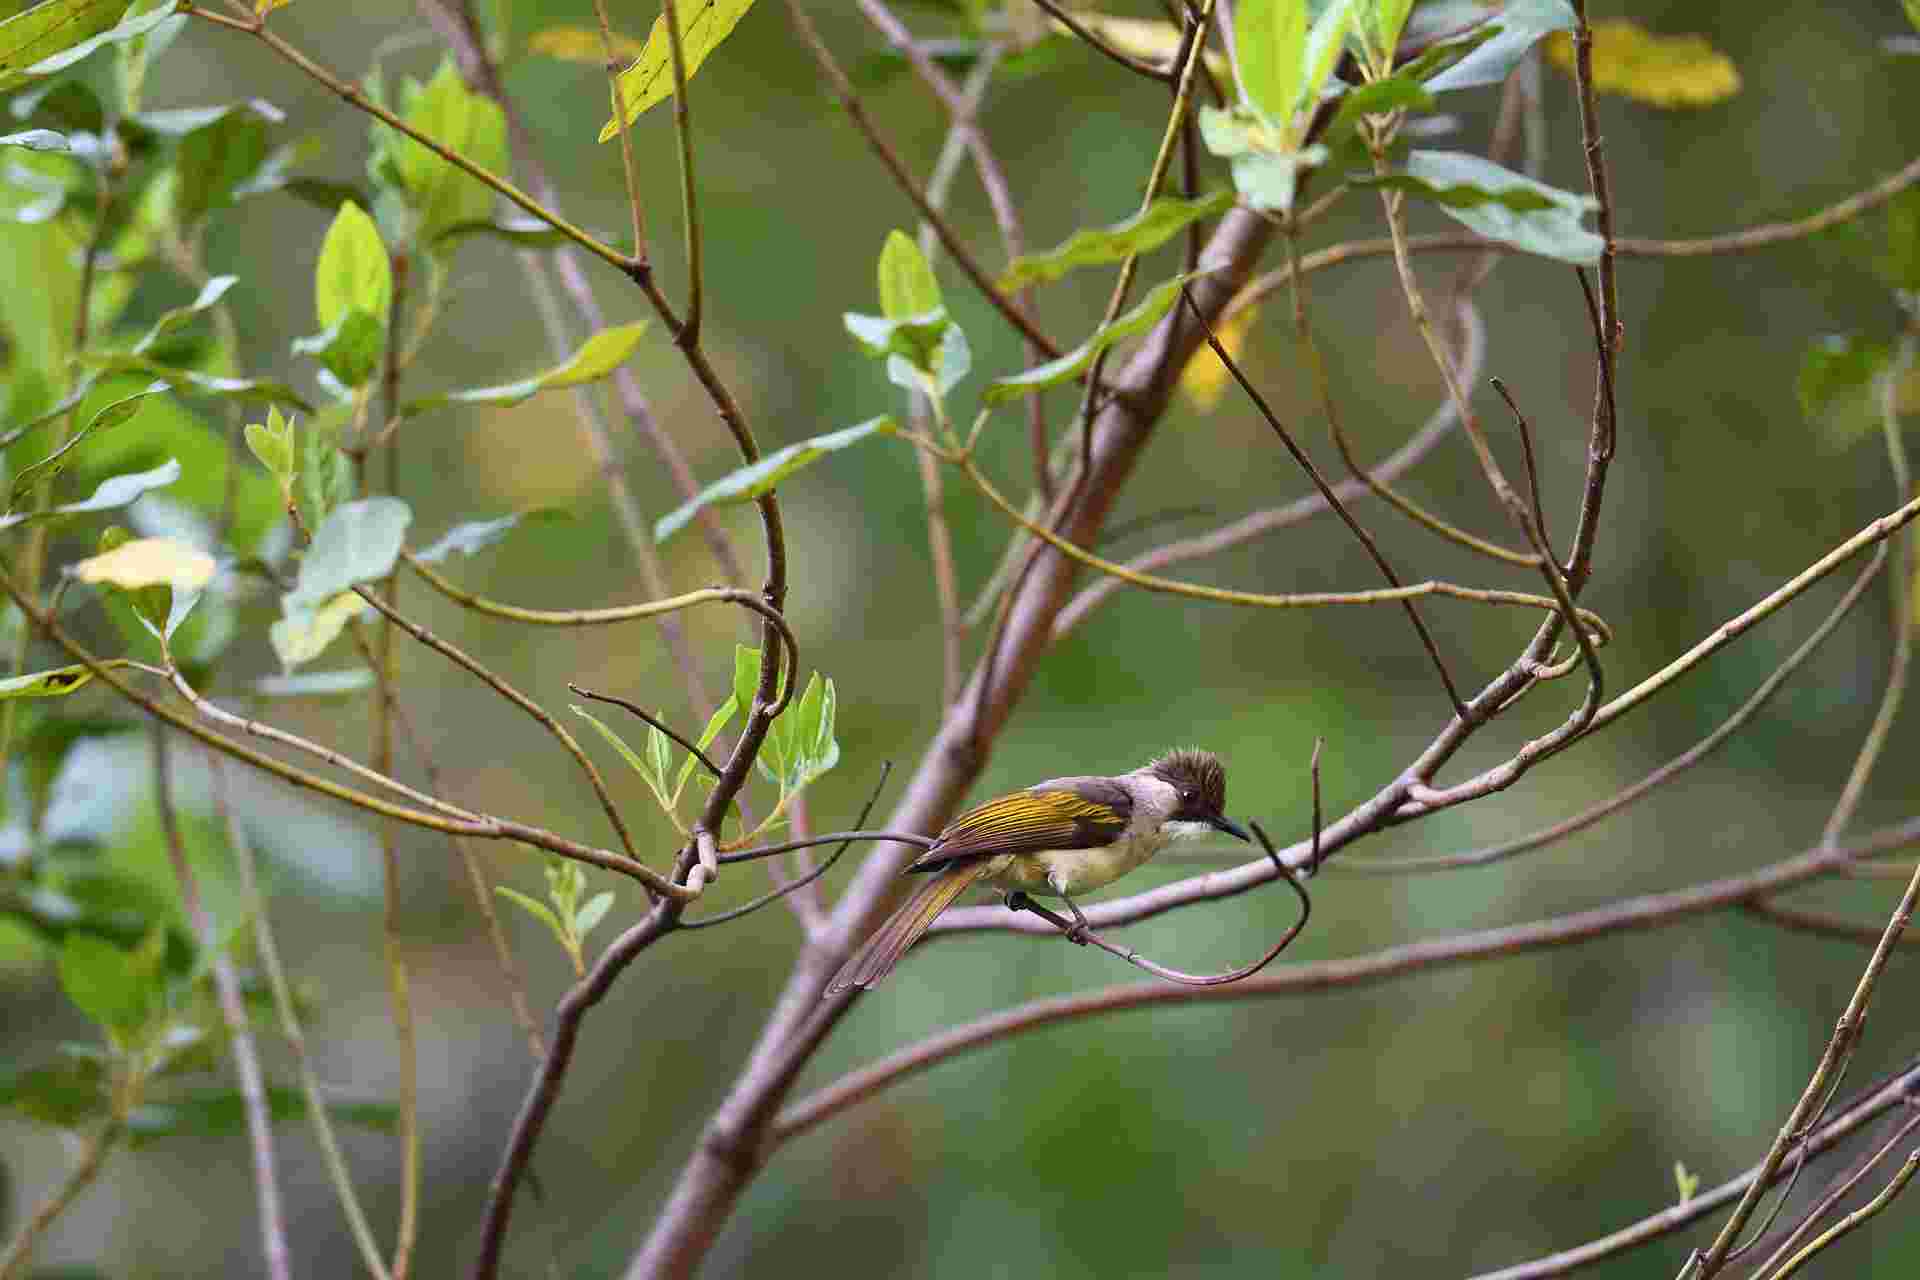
1199	781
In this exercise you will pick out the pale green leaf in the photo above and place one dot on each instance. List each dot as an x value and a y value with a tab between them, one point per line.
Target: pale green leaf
304	633
1091	246
476	536
597	357
109	985
35	474
353	272
1144	315
1269	39
907	284
35	140
1324	43
535	908
57	683
111	493
1500	204
346	682
750	482
703	25
358	542
655	778
51	37
209	297
469	124
271	442
715	723
1516	28
592	913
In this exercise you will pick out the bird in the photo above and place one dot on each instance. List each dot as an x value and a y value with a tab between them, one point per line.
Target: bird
1061	837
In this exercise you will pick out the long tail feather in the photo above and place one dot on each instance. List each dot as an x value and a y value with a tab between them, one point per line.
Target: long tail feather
903	928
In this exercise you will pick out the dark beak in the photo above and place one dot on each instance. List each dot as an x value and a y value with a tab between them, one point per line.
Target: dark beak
1221	822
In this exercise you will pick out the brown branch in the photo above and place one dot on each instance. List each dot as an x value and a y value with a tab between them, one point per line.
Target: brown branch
1628	915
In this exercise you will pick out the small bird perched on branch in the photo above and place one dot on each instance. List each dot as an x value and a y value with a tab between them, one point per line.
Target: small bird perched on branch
1059	837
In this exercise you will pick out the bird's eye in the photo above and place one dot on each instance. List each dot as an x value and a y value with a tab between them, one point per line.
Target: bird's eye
1187	795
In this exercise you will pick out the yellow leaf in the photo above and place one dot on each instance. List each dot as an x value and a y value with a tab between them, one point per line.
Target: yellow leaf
1204	379
304	635
703	25
1662	71
581	44
149	562
263	7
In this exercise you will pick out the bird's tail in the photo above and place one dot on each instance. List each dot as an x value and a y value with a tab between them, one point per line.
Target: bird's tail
903	928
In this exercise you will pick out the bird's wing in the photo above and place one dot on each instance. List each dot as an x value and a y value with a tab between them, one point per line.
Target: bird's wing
1066	813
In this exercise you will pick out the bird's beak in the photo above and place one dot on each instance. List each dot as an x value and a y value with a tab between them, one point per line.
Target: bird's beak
1221	822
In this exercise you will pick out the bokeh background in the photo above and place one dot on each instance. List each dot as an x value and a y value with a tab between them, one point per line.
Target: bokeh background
1450	1121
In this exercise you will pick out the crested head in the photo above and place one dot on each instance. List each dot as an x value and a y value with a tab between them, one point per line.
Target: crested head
1198	776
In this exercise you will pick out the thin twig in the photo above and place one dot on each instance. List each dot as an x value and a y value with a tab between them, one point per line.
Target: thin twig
233	1015
1894	1187
1628	914
93	1155
635	709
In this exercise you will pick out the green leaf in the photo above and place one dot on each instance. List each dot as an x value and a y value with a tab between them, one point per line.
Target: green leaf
357	543
470	124
271	443
1090	246
1913	13
326	475
316	684
209	297
802	743
112	493
350	347
215	160
35	474
1837	376
915	339
1325	40
57	683
715	723
749	483
652	771
597	357
1400	92
1269	39
538	910
1144	315
746	675
35	140
476	536
1516	29
907	284
1685	1183
1265	163
1385	20
353	272
592	914
304	633
659	757
1500	204
53	36
67	1094
703	25
111	986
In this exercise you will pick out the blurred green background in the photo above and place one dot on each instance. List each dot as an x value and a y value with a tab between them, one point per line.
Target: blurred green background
1451	1121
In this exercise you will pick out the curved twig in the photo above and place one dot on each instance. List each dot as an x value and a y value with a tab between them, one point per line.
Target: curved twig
653	720
886	771
1021	902
788	846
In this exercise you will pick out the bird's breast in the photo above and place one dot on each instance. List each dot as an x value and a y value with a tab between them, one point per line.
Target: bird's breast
1076	871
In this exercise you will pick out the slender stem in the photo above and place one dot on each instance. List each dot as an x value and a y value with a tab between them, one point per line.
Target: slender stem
233	1014
338	1175
1840	1192
1846	1034
617	95
683	132
1224	595
1887	1193
1627	915
351	94
93	1155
